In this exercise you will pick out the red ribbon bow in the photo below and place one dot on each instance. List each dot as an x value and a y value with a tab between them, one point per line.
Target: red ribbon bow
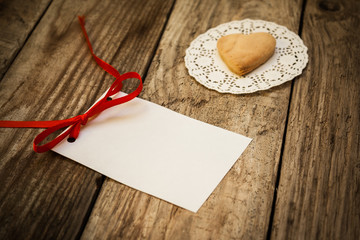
74	124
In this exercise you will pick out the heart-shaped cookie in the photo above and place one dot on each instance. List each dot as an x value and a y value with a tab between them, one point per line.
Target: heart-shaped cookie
243	53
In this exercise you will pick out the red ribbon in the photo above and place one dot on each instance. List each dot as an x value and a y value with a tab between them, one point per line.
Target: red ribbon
74	124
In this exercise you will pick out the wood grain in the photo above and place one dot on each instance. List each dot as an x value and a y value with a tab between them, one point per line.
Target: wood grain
17	19
240	206
45	196
319	190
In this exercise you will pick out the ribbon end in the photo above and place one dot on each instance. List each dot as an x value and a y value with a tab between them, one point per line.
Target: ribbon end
82	19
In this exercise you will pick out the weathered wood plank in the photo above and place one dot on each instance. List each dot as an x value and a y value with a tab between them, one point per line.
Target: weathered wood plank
319	190
45	196
240	206
17	20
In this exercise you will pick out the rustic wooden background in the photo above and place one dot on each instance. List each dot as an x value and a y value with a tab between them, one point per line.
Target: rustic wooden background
298	179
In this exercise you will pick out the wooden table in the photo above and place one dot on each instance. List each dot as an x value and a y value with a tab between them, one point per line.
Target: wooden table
298	179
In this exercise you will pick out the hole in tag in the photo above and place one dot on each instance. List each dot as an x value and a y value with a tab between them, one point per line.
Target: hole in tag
71	140
108	98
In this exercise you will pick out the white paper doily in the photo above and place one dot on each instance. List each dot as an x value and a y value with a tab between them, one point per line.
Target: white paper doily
205	65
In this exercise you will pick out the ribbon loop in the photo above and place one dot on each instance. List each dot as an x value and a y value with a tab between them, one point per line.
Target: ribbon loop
73	125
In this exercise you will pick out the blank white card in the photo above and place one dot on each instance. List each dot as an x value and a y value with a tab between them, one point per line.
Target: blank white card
157	151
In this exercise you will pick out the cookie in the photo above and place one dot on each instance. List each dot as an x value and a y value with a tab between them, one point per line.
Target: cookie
243	53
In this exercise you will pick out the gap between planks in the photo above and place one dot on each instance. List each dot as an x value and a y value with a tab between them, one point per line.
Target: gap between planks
278	176
25	41
103	177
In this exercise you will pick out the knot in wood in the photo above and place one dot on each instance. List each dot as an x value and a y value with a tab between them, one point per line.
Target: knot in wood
331	6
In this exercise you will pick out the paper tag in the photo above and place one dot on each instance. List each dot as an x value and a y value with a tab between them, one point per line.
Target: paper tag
157	151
